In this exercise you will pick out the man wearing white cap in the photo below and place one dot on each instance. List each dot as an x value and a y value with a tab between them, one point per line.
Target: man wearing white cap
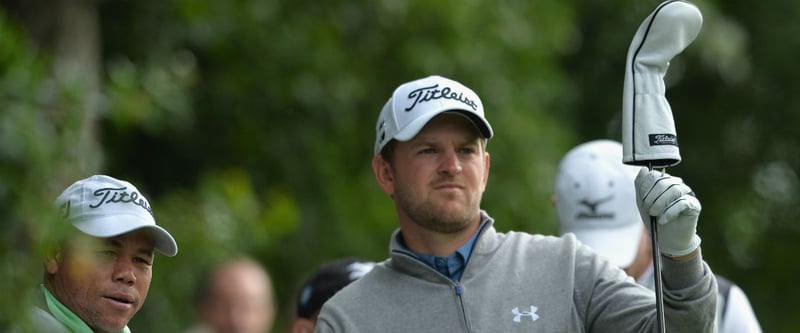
449	269
98	277
595	199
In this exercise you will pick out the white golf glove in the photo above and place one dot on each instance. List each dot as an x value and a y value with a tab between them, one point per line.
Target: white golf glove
676	208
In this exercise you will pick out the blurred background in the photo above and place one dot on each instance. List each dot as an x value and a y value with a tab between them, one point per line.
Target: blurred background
249	125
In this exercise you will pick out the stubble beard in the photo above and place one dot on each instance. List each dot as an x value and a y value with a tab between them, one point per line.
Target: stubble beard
438	218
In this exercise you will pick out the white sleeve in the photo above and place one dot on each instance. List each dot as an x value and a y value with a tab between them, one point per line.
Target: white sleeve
739	316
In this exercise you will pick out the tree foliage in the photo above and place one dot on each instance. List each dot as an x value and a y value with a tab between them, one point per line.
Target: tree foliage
250	126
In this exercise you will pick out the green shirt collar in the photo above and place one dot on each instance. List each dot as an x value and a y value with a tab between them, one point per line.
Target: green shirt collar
66	316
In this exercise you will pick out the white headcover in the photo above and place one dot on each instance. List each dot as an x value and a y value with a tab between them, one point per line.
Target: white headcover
648	128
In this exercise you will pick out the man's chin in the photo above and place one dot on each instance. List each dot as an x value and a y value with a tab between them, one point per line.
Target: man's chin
451	223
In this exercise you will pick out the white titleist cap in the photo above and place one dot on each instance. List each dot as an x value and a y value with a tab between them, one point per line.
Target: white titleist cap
415	103
596	200
102	206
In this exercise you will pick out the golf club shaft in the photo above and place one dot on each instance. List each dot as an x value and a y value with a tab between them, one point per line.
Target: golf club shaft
657	275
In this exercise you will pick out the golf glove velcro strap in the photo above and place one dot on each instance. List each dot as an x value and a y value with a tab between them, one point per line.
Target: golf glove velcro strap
676	210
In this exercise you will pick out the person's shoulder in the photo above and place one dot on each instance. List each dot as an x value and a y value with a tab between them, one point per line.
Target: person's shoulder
538	242
361	294
42	321
375	278
540	239
728	289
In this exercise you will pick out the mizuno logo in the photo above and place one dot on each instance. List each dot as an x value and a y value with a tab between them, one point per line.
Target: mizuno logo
519	314
593	213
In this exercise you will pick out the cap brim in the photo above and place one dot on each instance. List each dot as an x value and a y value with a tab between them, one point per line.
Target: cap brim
415	126
620	245
113	226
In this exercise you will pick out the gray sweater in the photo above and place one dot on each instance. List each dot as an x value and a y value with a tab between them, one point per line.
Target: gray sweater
517	282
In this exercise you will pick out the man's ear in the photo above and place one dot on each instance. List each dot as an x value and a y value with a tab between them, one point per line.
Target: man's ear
487	164
52	261
383	174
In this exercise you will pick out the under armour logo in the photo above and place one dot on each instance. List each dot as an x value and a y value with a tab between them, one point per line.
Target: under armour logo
518	315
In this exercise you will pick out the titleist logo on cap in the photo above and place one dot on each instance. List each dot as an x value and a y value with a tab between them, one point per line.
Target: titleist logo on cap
109	195
426	94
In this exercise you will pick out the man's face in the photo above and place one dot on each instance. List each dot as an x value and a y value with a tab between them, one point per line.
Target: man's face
239	300
103	280
438	177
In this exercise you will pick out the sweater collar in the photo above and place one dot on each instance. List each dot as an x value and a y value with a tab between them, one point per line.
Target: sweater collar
481	242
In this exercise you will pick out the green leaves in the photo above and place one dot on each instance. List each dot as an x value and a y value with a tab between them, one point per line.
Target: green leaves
250	124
